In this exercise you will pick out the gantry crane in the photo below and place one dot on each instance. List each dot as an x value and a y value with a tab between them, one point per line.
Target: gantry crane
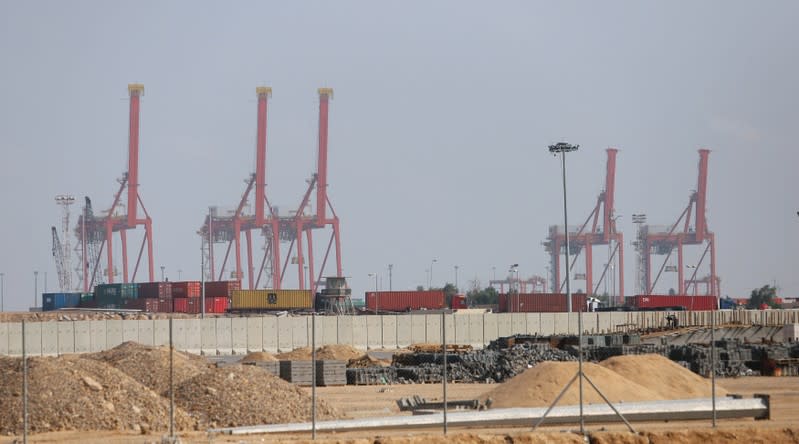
585	237
119	217
276	229
653	240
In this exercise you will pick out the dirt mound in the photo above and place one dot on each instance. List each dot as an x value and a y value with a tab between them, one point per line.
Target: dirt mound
540	385
246	395
73	393
366	361
327	352
259	357
150	365
663	376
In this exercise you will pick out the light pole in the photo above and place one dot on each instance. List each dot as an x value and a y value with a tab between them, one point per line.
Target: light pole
35	286
456	278
493	273
2	291
640	285
162	273
514	270
563	148
390	269
431	272
179	273
45	283
377	297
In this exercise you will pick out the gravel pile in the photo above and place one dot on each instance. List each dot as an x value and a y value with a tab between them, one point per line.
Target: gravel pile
258	357
150	365
73	393
243	395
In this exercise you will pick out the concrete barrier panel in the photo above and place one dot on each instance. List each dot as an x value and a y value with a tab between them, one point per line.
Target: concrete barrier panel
574	327
97	335
194	343
269	334
238	335
50	338
374	332
449	327
462	332
433	324
590	322
326	329
389	331
66	337
208	336
490	332
83	340
476	330
418	328
504	326
533	323
404	331
146	335
299	331
344	329
160	332
130	330
224	336
518	323
33	338
560	322
359	332
179	333
113	333
4	338
255	334
285	342
604	322
547	323
14	338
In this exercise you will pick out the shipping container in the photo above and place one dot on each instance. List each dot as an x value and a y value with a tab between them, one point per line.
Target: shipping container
653	301
216	305
186	289
540	302
271	300
405	300
114	295
54	301
219	289
459	302
155	290
152	305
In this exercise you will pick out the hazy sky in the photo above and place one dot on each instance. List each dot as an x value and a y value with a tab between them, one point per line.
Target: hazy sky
438	129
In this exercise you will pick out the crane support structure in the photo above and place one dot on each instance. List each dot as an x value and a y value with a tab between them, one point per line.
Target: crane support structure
99	230
653	240
586	236
274	228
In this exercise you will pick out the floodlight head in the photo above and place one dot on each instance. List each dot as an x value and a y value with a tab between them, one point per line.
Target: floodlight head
562	147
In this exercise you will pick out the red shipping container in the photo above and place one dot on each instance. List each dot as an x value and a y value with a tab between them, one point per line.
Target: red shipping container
155	290
541	303
150	305
459	301
216	305
405	300
645	301
218	289
188	289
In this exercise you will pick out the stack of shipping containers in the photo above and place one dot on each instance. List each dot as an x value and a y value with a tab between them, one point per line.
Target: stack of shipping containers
218	294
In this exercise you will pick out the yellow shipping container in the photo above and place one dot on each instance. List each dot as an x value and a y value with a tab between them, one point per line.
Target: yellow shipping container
271	299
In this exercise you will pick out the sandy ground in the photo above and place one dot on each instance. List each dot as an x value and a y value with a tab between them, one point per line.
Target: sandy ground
370	401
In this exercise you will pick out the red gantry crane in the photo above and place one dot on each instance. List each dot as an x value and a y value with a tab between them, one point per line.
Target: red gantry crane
585	237
95	233
276	229
654	240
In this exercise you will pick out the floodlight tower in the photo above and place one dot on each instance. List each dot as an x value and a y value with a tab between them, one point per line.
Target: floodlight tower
653	241
114	219
600	232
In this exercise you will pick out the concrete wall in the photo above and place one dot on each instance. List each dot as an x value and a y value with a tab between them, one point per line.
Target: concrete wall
239	335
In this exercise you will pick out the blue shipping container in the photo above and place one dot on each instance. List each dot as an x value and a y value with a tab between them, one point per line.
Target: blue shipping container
54	301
